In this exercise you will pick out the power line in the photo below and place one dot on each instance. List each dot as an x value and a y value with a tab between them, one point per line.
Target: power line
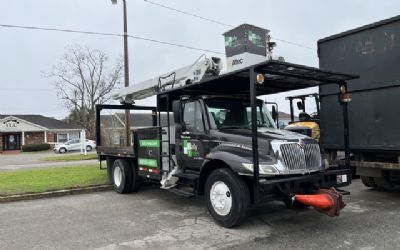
221	23
176	44
189	14
109	34
59	30
295	44
24	89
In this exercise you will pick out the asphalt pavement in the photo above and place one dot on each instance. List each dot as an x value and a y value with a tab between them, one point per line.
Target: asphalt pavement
10	162
157	219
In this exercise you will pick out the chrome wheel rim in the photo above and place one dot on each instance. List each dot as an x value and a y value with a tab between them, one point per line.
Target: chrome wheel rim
221	198
117	176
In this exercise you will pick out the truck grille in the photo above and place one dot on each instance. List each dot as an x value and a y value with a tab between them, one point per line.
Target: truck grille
305	156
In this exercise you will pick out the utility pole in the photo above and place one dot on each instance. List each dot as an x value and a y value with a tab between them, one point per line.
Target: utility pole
126	73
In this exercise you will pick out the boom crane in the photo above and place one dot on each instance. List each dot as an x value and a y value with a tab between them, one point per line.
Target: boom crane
201	69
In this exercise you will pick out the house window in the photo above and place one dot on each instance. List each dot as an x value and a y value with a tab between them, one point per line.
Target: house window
74	136
62	137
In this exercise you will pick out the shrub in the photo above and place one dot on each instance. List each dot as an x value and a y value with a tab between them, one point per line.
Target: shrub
35	147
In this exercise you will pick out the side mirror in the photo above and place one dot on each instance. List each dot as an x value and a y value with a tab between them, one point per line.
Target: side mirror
176	109
300	105
274	113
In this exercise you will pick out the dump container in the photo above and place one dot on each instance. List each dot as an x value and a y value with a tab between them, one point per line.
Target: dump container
373	52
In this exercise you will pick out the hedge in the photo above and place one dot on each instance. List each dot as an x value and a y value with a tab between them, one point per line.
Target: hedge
35	147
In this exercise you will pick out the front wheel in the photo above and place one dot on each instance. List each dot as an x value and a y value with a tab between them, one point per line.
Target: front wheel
227	197
62	150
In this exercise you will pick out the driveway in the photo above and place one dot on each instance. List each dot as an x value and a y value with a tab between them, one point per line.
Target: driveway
157	219
32	160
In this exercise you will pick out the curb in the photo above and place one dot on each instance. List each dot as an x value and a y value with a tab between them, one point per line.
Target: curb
83	190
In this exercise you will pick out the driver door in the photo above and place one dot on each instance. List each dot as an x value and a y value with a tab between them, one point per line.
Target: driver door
191	143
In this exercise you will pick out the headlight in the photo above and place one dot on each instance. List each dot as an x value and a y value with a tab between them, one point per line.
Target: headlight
263	168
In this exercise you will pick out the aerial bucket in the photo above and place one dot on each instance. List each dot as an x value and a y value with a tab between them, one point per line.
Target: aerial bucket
326	201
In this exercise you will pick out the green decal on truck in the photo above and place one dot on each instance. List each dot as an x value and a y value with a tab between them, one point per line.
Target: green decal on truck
190	149
147	162
149	143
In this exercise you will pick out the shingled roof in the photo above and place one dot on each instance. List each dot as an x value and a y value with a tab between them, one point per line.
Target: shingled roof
44	121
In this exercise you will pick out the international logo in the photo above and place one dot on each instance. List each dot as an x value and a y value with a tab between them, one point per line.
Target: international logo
237	61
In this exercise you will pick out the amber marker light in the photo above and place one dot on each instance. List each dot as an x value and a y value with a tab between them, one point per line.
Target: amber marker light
260	78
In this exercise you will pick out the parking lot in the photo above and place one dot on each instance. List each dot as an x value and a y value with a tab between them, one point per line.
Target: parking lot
157	219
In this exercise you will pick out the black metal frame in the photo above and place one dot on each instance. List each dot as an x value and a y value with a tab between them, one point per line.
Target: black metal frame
100	107
158	110
303	99
253	102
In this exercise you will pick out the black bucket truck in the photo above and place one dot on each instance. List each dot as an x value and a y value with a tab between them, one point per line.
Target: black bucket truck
211	136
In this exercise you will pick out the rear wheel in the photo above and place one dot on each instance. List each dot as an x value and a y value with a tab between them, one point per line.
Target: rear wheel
121	176
368	181
227	197
383	183
88	148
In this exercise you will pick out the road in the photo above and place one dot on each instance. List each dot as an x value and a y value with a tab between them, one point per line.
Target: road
156	219
32	160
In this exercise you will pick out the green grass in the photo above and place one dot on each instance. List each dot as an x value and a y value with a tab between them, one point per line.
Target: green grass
50	179
76	157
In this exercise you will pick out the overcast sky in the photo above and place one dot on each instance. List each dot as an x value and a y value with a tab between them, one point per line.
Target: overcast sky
26	53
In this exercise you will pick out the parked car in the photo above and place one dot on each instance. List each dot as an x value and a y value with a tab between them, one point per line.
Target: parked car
72	145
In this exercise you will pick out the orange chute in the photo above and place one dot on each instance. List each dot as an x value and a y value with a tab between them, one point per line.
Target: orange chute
327	201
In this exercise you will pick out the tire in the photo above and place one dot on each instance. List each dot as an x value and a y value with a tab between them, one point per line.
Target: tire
383	184
136	179
368	181
295	205
110	174
62	150
233	194
121	176
89	148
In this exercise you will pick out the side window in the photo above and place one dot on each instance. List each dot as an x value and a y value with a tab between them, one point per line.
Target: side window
260	118
74	141
192	117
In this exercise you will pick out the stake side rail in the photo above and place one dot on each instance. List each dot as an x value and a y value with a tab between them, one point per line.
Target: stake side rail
100	107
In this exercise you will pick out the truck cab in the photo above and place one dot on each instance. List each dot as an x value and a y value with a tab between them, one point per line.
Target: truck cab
212	128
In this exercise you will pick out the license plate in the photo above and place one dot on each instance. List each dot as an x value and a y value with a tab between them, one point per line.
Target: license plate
341	178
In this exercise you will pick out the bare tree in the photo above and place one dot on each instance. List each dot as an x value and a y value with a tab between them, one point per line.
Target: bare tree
82	80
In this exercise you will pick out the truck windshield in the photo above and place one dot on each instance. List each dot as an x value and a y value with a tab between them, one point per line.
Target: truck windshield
227	113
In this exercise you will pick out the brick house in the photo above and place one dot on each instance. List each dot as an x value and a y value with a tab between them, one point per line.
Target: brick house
19	130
